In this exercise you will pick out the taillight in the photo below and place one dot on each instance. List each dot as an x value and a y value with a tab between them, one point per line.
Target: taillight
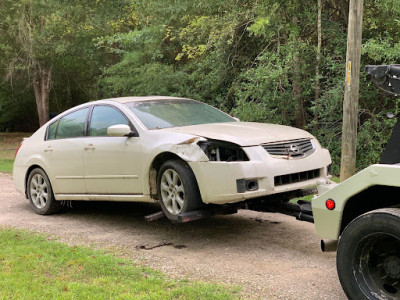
17	150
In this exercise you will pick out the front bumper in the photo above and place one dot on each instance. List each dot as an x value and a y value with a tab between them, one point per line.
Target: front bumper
218	180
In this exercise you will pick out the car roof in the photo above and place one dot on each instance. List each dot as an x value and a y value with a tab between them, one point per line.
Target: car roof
142	98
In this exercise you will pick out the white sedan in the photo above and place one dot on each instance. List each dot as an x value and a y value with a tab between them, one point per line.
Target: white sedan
180	152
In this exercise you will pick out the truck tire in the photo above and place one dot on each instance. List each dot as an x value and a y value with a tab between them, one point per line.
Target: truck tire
368	256
177	187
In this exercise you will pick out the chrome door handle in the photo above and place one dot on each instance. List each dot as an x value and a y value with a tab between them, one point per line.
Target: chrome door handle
89	147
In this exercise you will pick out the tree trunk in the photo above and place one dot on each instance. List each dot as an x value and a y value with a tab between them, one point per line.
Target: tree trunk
41	86
350	103
318	59
299	114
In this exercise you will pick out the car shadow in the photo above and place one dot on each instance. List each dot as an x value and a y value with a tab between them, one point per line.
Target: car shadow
257	230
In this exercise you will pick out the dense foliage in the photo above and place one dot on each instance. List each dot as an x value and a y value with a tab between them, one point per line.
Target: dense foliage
254	59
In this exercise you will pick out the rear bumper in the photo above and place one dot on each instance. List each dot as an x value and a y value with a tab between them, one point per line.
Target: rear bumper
19	178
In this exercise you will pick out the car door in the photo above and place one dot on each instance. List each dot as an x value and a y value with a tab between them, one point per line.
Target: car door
112	164
63	152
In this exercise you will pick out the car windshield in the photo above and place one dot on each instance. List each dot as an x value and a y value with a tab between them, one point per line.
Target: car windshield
160	114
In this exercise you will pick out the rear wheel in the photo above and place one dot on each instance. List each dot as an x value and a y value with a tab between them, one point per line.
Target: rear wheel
177	189
40	193
368	256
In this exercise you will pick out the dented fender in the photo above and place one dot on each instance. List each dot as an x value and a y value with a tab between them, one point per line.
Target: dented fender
188	150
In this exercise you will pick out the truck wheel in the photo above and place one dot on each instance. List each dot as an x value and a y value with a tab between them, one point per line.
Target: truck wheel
368	256
40	193
177	189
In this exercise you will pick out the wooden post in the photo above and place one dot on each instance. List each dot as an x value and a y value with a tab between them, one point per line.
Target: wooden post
350	103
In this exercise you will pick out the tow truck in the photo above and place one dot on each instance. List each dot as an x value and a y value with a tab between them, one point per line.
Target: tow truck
360	217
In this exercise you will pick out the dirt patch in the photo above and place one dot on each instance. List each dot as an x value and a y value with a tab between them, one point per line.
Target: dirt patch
270	255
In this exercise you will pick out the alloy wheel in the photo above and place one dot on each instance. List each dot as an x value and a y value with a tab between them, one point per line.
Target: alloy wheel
172	191
39	191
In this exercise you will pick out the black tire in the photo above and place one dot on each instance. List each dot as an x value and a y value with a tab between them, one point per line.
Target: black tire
368	256
40	193
173	199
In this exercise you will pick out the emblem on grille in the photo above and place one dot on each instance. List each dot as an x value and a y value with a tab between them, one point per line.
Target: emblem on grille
294	148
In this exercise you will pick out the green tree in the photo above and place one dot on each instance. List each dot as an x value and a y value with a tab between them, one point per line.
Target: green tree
42	40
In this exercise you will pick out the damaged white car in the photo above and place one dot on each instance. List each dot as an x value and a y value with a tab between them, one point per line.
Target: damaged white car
180	152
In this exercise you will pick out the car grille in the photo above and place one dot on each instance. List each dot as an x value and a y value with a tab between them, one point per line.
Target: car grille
296	177
290	149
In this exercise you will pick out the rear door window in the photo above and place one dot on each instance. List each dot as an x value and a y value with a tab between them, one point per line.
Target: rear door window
73	124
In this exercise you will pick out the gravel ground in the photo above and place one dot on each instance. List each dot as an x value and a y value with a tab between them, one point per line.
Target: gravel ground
271	256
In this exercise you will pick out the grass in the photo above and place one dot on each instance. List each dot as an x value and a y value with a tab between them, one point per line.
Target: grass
6	165
9	143
32	267
335	179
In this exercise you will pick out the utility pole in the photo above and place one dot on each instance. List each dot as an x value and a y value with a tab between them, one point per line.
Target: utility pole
350	103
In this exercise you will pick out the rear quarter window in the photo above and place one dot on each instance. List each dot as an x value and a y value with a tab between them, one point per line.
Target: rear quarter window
51	135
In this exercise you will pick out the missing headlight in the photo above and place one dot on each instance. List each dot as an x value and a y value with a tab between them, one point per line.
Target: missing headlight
222	151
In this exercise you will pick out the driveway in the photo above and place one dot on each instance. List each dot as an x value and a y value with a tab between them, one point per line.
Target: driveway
271	256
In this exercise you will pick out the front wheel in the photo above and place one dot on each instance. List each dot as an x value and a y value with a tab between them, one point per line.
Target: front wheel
41	194
368	256
177	189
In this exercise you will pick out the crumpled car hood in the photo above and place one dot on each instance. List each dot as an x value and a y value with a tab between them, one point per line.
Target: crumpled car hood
243	133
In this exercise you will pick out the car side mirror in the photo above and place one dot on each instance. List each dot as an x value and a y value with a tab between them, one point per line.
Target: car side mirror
119	130
236	119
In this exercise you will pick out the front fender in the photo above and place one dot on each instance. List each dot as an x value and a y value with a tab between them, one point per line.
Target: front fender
187	150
